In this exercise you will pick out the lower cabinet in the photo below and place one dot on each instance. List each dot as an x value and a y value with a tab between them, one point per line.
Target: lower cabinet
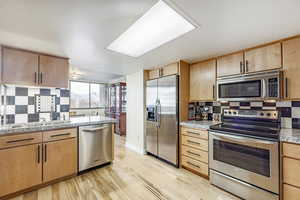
32	159
194	150
60	159
291	167
20	168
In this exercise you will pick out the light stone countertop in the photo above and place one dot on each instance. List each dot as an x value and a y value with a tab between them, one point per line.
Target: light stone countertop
72	123
198	124
290	135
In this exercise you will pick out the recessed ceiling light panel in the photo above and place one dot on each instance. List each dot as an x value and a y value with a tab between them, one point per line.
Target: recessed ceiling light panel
156	27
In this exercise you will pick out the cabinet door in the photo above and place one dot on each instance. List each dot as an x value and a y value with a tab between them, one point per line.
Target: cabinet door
153	74
202	81
291	63
170	69
230	65
20	168
54	71
60	159
264	58
19	67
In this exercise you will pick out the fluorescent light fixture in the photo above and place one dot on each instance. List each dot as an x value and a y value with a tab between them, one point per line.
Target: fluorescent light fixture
156	27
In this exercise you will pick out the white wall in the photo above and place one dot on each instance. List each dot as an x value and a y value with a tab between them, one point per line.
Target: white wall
135	112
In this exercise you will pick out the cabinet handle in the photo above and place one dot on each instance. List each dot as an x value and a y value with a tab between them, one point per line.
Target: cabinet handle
193	142
194	153
39	154
247	64
241	67
59	135
193	133
193	165
41	79
35	77
22	140
45	148
286	88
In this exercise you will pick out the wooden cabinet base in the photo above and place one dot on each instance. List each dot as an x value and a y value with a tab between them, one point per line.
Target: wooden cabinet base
37	187
196	172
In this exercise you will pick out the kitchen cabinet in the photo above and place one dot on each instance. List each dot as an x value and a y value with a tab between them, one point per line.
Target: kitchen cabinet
23	67
33	159
194	150
202	81
230	65
263	58
153	74
19	67
54	71
60	159
291	165
20	162
170	69
167	70
291	63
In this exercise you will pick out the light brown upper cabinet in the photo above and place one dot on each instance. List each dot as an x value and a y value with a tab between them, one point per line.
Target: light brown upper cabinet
60	159
20	67
20	168
230	64
263	58
54	71
169	69
153	74
202	81
291	68
23	67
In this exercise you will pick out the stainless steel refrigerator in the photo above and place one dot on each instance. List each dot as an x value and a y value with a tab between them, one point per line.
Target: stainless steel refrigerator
162	118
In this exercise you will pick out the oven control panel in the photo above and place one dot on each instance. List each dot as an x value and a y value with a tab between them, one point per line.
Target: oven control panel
263	114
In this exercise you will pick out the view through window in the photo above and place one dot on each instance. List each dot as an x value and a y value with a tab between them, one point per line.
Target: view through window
88	95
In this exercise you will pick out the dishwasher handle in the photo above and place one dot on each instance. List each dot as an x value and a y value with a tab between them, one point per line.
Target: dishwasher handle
94	129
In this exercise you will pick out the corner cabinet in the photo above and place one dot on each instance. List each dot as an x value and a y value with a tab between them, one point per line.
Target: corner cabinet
291	70
24	67
202	81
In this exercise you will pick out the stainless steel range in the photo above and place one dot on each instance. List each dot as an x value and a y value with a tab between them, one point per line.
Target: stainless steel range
244	154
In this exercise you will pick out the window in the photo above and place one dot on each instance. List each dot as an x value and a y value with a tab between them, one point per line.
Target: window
88	95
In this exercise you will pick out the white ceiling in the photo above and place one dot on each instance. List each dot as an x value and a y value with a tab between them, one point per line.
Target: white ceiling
82	29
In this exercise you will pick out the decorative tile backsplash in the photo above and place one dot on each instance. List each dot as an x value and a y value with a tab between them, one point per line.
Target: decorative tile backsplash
20	104
290	110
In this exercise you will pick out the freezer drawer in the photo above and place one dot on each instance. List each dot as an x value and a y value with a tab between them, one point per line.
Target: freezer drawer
95	146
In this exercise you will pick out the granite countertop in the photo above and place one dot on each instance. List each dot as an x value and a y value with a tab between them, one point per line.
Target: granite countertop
290	135
72	123
198	124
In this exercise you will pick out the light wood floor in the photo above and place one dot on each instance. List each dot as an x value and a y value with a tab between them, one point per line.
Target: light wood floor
131	177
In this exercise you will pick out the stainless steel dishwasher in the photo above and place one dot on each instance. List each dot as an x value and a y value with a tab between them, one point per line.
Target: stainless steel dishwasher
95	145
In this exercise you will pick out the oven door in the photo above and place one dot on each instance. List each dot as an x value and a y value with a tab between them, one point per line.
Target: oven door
251	160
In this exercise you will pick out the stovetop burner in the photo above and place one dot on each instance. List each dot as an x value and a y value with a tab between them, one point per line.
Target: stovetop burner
253	123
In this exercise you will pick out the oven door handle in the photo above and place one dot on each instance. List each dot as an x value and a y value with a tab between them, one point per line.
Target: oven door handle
240	139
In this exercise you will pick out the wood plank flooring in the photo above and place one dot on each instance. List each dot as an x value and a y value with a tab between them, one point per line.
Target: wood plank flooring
131	177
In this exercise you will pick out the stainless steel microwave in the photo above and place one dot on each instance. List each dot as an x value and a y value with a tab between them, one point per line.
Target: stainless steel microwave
250	87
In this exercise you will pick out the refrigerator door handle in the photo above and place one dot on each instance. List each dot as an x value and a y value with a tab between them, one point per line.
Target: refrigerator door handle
158	113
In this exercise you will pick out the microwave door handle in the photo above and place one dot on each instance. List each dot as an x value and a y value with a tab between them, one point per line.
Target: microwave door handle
264	88
240	139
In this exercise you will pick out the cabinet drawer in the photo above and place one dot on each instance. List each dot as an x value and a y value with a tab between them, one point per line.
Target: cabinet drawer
291	150
203	134
195	165
195	142
21	139
59	134
290	169
195	153
290	192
